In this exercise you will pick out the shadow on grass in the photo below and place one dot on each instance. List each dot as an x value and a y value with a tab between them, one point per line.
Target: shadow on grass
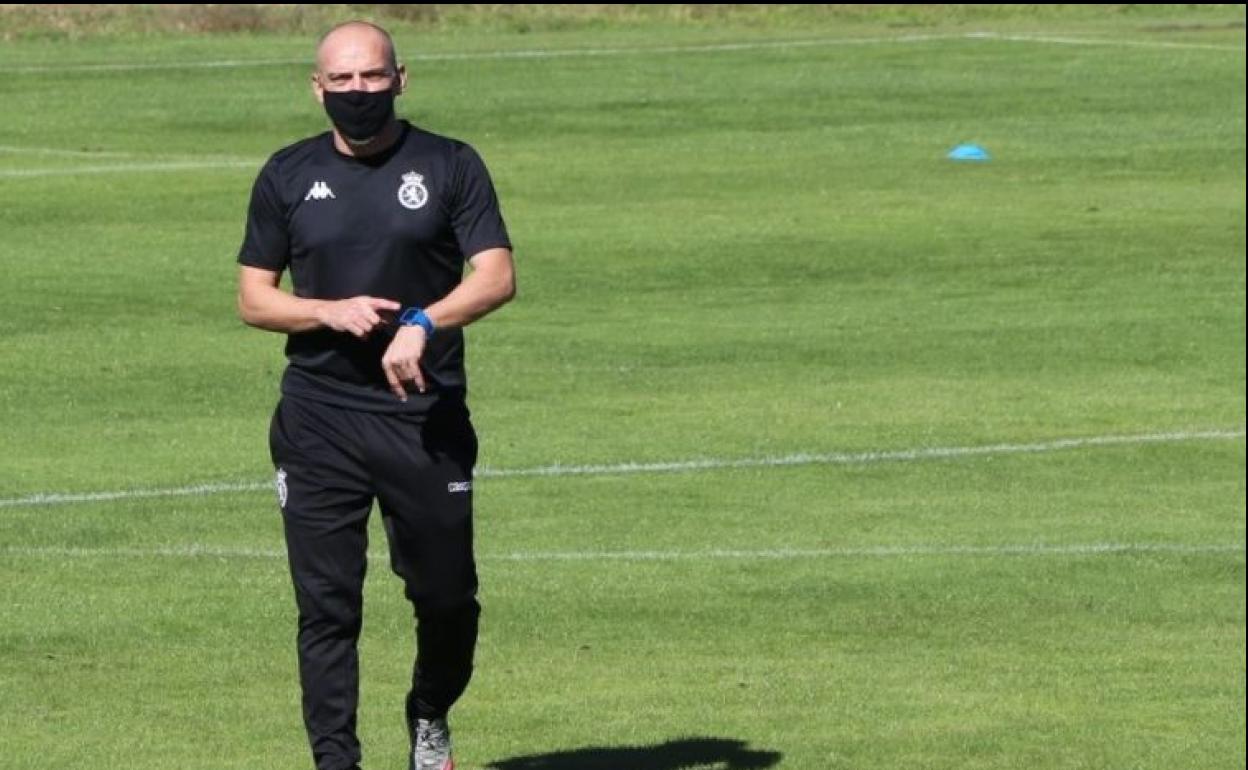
683	754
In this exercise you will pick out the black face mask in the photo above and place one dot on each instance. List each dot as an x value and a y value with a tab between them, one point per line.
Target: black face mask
360	115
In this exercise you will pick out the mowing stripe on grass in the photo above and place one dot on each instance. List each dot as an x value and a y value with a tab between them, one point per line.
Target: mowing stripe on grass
679	466
711	554
561	53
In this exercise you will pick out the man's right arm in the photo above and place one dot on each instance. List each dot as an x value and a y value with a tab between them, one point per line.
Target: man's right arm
263	304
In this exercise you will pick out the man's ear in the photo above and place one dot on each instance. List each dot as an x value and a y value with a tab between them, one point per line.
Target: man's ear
318	90
402	79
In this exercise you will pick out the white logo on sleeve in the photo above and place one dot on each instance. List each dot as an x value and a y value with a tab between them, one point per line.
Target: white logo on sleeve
319	192
459	486
412	193
281	488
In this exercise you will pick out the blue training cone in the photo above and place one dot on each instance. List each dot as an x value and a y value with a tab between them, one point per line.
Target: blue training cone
969	152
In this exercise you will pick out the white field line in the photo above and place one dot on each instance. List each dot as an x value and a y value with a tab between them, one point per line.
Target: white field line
534	53
858	458
712	554
680	466
57	151
1057	40
35	69
557	53
129	168
17	149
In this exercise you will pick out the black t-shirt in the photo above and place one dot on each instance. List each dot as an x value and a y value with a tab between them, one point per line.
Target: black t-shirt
398	225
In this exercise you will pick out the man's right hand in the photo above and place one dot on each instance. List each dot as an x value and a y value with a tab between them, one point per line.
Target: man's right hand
357	315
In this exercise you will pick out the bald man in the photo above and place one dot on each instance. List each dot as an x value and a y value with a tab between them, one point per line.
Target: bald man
375	220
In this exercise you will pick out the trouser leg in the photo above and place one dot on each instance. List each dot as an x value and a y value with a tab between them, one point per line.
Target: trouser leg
325	514
424	487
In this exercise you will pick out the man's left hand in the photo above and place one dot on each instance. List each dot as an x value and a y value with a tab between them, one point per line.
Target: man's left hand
401	362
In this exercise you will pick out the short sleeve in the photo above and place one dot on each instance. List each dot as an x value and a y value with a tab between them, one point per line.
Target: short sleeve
266	242
475	215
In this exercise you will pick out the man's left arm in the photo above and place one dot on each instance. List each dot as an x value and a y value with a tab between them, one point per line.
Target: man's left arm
490	285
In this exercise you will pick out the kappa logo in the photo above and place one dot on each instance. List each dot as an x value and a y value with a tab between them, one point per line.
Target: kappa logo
282	490
319	192
459	486
412	193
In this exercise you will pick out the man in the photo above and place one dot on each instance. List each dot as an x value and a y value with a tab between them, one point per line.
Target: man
375	220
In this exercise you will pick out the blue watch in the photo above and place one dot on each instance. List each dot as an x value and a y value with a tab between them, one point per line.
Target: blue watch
415	316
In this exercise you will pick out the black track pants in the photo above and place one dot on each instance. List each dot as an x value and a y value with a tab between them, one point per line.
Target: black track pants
331	464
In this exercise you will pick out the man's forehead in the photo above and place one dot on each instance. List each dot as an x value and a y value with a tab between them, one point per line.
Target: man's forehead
353	48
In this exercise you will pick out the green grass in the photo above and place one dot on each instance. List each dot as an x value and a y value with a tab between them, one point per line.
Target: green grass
729	254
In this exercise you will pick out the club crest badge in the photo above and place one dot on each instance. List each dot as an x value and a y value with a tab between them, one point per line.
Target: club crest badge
412	193
281	487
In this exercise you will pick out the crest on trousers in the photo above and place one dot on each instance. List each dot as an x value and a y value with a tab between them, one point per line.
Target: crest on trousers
281	488
412	193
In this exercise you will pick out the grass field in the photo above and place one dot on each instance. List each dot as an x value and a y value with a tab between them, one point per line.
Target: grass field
803	446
